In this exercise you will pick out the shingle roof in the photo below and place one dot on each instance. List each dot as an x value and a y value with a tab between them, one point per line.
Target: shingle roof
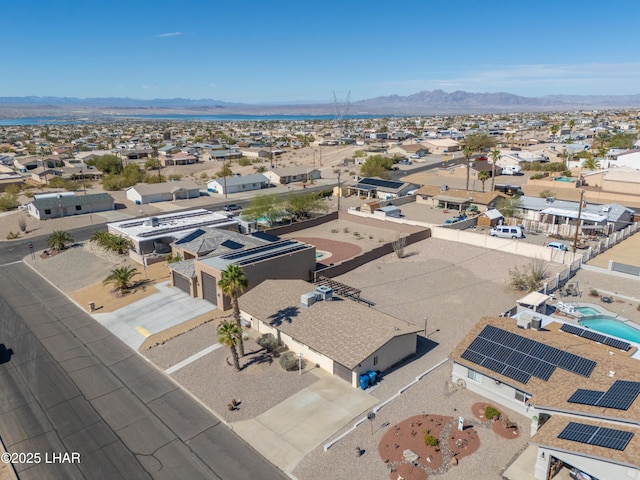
166	187
342	330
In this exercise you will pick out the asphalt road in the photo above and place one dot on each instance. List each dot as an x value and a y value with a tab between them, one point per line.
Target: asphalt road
67	385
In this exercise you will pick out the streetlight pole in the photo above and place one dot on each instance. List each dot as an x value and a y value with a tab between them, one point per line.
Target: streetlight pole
426	319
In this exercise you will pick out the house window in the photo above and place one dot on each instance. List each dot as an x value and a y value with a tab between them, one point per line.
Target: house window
47	211
521	396
473	375
78	207
375	360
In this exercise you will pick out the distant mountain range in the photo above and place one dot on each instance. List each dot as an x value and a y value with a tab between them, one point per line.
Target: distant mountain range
421	103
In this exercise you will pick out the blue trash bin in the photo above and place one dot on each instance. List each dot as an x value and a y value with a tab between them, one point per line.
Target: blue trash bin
364	381
373	377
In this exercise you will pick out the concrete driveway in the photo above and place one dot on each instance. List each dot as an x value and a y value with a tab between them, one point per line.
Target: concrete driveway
153	314
287	432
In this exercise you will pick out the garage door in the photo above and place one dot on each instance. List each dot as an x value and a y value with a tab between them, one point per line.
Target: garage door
209	288
341	371
182	283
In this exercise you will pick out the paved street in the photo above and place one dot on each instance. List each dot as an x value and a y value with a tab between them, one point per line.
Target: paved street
68	385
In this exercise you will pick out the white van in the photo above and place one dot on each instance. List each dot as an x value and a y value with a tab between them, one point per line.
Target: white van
511	170
505	231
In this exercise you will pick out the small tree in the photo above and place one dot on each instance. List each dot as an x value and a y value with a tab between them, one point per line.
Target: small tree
22	224
121	278
58	240
230	335
483	177
467	152
232	284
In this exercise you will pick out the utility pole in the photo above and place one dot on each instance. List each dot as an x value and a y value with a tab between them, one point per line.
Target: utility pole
339	192
224	178
575	236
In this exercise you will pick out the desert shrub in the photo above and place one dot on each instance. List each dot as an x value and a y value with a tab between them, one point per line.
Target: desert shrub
22	224
244	161
490	413
8	201
594	292
530	277
12	235
334	230
268	341
289	361
430	440
174	258
399	245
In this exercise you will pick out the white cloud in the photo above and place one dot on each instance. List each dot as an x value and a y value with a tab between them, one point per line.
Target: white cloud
170	34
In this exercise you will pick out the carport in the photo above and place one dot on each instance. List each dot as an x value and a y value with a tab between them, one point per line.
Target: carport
453	203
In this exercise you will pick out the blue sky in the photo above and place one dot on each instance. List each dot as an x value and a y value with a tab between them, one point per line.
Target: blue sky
280	51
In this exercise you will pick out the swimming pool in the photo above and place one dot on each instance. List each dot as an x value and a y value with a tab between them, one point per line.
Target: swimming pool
613	327
587	310
564	179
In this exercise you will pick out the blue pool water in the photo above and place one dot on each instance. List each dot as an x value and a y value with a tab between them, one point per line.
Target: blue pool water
613	327
587	310
564	179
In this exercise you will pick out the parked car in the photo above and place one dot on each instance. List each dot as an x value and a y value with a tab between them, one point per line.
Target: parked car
457	219
557	246
230	207
404	161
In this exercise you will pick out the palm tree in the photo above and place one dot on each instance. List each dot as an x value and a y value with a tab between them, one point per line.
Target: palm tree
591	163
233	283
483	177
121	278
230	335
58	240
495	156
467	152
554	129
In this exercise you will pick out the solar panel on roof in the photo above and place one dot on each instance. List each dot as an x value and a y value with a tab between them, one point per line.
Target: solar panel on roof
231	245
585	397
190	237
501	351
599	436
571	329
380	183
620	395
596	337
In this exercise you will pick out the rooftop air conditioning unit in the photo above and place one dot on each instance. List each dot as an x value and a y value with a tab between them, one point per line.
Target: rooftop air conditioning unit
524	322
324	292
536	323
152	222
308	299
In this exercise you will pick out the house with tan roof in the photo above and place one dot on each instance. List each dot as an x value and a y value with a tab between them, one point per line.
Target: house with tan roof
142	193
456	199
579	388
442	145
340	335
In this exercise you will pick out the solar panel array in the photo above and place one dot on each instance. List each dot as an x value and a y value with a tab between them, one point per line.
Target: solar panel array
619	396
599	436
182	227
596	337
520	358
377	182
263	248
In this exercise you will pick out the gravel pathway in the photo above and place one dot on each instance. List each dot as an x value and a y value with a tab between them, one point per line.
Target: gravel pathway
428	396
